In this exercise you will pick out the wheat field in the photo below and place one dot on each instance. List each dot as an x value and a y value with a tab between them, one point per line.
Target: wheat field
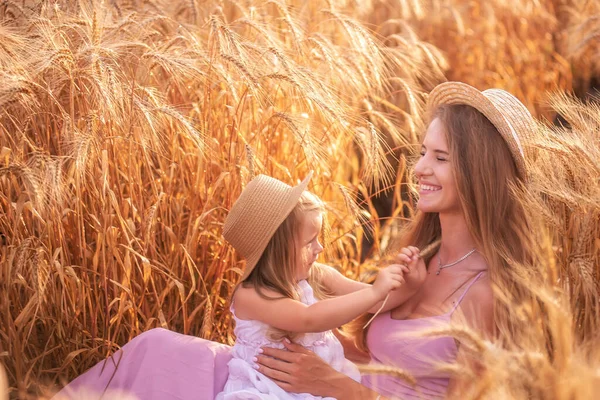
128	128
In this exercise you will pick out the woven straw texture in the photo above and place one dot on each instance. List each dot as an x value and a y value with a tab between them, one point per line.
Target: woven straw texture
505	112
252	221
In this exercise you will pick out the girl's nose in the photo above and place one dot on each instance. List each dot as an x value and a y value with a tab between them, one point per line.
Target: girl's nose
319	248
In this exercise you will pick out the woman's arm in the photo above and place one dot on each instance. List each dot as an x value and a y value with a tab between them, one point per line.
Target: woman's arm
477	311
299	370
291	315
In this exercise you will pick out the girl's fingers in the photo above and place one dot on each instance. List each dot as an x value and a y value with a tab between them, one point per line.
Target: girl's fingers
403	259
414	250
411	252
399	272
400	269
407	251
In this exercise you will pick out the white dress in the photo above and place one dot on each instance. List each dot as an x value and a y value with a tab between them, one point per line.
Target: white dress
246	383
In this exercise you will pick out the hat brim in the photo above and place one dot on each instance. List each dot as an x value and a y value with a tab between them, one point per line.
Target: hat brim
452	93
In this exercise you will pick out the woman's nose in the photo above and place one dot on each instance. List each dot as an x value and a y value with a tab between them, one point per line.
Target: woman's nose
421	167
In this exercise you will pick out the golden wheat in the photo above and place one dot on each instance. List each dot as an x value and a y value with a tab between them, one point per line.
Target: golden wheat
127	130
125	138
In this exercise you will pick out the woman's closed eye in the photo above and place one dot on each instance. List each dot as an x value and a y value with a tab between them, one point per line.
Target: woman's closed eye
439	158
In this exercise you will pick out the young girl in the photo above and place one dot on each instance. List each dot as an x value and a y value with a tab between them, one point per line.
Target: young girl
276	228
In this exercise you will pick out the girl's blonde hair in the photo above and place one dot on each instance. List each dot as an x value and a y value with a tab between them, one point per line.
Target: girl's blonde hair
277	268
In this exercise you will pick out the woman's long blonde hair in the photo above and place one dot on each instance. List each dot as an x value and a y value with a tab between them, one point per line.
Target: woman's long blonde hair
493	199
277	267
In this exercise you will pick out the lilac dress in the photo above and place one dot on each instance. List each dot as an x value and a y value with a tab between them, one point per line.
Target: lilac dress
246	383
161	364
158	364
397	343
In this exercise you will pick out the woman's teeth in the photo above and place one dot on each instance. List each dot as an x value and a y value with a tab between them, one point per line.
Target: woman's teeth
430	188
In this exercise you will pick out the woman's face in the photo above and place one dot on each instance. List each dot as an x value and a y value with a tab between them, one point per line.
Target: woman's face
437	186
309	248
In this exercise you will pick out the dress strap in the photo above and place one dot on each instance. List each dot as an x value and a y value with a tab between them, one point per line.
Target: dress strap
466	290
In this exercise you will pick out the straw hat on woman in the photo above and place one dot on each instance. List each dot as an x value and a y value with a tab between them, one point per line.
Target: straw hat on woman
471	178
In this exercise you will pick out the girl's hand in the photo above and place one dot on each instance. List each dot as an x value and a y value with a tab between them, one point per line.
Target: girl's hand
389	278
417	270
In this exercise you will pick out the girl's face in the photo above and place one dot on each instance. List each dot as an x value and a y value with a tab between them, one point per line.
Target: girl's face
437	186
309	247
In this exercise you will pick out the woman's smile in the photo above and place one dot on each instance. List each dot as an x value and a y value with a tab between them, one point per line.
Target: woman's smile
434	173
428	188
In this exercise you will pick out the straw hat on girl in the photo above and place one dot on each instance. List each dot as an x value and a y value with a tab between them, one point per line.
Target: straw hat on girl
254	218
510	117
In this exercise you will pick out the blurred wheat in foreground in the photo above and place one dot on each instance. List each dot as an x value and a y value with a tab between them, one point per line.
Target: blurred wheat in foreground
127	130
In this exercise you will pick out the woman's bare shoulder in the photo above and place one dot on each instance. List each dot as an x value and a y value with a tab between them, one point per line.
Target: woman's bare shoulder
481	291
478	305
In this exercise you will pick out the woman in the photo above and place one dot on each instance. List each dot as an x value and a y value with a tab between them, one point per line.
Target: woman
471	178
471	175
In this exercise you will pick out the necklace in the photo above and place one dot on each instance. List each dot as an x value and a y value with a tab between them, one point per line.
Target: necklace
441	267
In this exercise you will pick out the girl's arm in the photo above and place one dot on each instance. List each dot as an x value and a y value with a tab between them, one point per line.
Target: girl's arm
291	315
414	276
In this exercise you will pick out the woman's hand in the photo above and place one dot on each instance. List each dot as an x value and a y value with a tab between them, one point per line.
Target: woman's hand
299	370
